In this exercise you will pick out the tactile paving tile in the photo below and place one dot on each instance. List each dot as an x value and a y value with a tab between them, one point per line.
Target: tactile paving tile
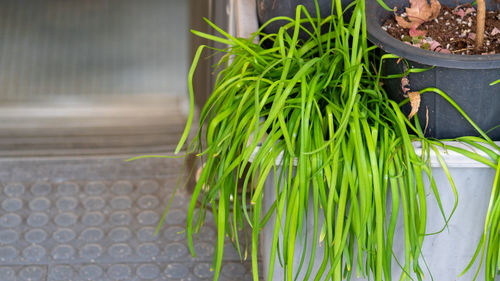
28	272
147	271
104	230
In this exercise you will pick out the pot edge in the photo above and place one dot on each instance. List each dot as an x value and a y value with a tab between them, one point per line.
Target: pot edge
389	44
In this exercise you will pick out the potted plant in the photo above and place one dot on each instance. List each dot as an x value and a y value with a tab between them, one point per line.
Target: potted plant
467	79
311	115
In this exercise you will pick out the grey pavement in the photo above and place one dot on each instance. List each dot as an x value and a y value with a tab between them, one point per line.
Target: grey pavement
95	218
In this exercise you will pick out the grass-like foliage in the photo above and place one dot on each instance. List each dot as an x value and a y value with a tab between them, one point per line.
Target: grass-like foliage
313	113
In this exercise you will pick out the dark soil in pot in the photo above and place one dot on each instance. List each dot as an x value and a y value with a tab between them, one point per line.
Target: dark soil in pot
454	30
465	78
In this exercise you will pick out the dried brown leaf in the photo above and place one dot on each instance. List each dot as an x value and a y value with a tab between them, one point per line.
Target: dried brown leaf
426	118
405	85
444	51
419	12
414	102
433	45
415	32
402	22
459	12
435	8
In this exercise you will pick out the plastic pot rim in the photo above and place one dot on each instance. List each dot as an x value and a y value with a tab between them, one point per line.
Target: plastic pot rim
386	42
452	159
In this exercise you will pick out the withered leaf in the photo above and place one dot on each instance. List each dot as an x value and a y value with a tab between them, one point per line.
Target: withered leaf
414	32
405	85
414	102
419	12
402	22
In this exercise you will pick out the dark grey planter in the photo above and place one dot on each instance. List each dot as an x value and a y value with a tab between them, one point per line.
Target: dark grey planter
465	78
268	9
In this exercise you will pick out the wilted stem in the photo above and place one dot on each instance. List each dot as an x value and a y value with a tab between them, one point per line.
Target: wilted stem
481	17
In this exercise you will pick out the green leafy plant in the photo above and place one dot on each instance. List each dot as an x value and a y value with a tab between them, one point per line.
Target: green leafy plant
313	113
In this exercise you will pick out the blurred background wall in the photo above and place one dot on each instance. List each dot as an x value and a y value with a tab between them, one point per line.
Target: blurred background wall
83	48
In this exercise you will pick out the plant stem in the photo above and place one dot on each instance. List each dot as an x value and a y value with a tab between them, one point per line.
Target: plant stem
481	17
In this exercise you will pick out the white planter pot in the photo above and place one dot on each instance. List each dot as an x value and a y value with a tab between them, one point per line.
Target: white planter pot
447	253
